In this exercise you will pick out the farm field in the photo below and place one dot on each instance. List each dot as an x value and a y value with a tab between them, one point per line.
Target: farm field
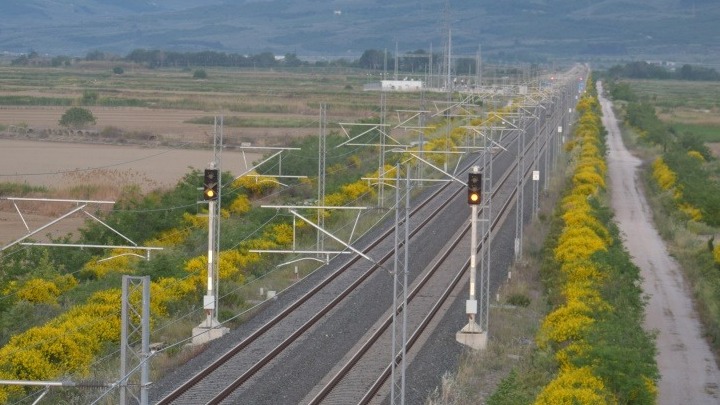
152	126
62	167
687	106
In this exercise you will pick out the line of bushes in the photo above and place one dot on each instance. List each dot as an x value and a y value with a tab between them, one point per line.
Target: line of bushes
593	336
684	181
682	169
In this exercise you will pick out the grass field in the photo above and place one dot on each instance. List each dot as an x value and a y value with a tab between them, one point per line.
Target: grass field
688	106
675	93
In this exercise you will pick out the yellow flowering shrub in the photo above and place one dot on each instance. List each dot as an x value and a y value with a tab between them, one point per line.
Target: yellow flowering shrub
575	386
282	234
354	191
696	155
593	162
26	363
231	264
583	217
457	134
588	176
716	253
586	105
665	177
119	264
578	270
240	205
69	343
573	350
256	186
585	291
350	193
173	289
335	199
575	201
170	237
578	243
39	291
195	221
565	323
690	211
354	162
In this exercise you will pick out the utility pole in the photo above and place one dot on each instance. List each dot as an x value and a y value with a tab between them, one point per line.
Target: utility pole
381	158
520	164
322	152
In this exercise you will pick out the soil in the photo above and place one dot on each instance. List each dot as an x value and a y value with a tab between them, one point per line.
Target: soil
689	371
715	148
148	147
164	125
65	166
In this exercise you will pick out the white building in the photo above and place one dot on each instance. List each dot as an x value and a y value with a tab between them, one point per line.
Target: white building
401	85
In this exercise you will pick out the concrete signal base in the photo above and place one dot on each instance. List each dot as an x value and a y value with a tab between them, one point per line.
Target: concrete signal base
207	331
473	336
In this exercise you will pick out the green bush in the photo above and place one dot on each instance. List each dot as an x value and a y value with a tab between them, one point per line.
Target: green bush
90	97
519	300
77	117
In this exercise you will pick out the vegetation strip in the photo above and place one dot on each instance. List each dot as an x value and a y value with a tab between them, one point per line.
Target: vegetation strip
593	335
684	182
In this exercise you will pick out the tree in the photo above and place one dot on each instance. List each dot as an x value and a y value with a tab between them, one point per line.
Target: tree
200	74
118	70
77	117
373	59
292	60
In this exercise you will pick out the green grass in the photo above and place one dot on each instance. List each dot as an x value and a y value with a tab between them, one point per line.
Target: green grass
674	93
20	189
238	122
707	133
28	100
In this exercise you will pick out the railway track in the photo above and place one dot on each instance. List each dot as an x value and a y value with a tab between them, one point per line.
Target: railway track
438	284
226	379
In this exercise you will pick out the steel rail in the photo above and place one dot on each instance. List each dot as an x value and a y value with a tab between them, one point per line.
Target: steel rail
201	375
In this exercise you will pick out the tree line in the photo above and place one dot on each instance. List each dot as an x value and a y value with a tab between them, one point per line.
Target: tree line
645	70
418	61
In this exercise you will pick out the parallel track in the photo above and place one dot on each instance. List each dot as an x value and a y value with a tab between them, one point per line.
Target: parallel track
179	394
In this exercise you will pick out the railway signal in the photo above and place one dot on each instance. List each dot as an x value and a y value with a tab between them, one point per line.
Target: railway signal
473	334
474	188
210	185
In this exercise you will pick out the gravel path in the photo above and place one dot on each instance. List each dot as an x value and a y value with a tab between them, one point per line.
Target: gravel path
689	373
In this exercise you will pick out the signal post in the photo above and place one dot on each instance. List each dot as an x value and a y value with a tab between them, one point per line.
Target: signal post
472	334
211	329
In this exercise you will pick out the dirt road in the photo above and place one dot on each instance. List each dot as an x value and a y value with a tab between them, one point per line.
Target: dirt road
689	372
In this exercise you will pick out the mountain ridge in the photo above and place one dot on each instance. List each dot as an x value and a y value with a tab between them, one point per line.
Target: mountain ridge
525	29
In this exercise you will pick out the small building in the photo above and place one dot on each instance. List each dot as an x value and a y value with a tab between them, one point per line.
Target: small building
401	85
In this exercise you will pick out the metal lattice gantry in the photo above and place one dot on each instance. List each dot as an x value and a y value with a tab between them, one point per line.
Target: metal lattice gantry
135	340
400	288
80	206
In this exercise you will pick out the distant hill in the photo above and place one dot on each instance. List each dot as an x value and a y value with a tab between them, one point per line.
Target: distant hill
526	30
